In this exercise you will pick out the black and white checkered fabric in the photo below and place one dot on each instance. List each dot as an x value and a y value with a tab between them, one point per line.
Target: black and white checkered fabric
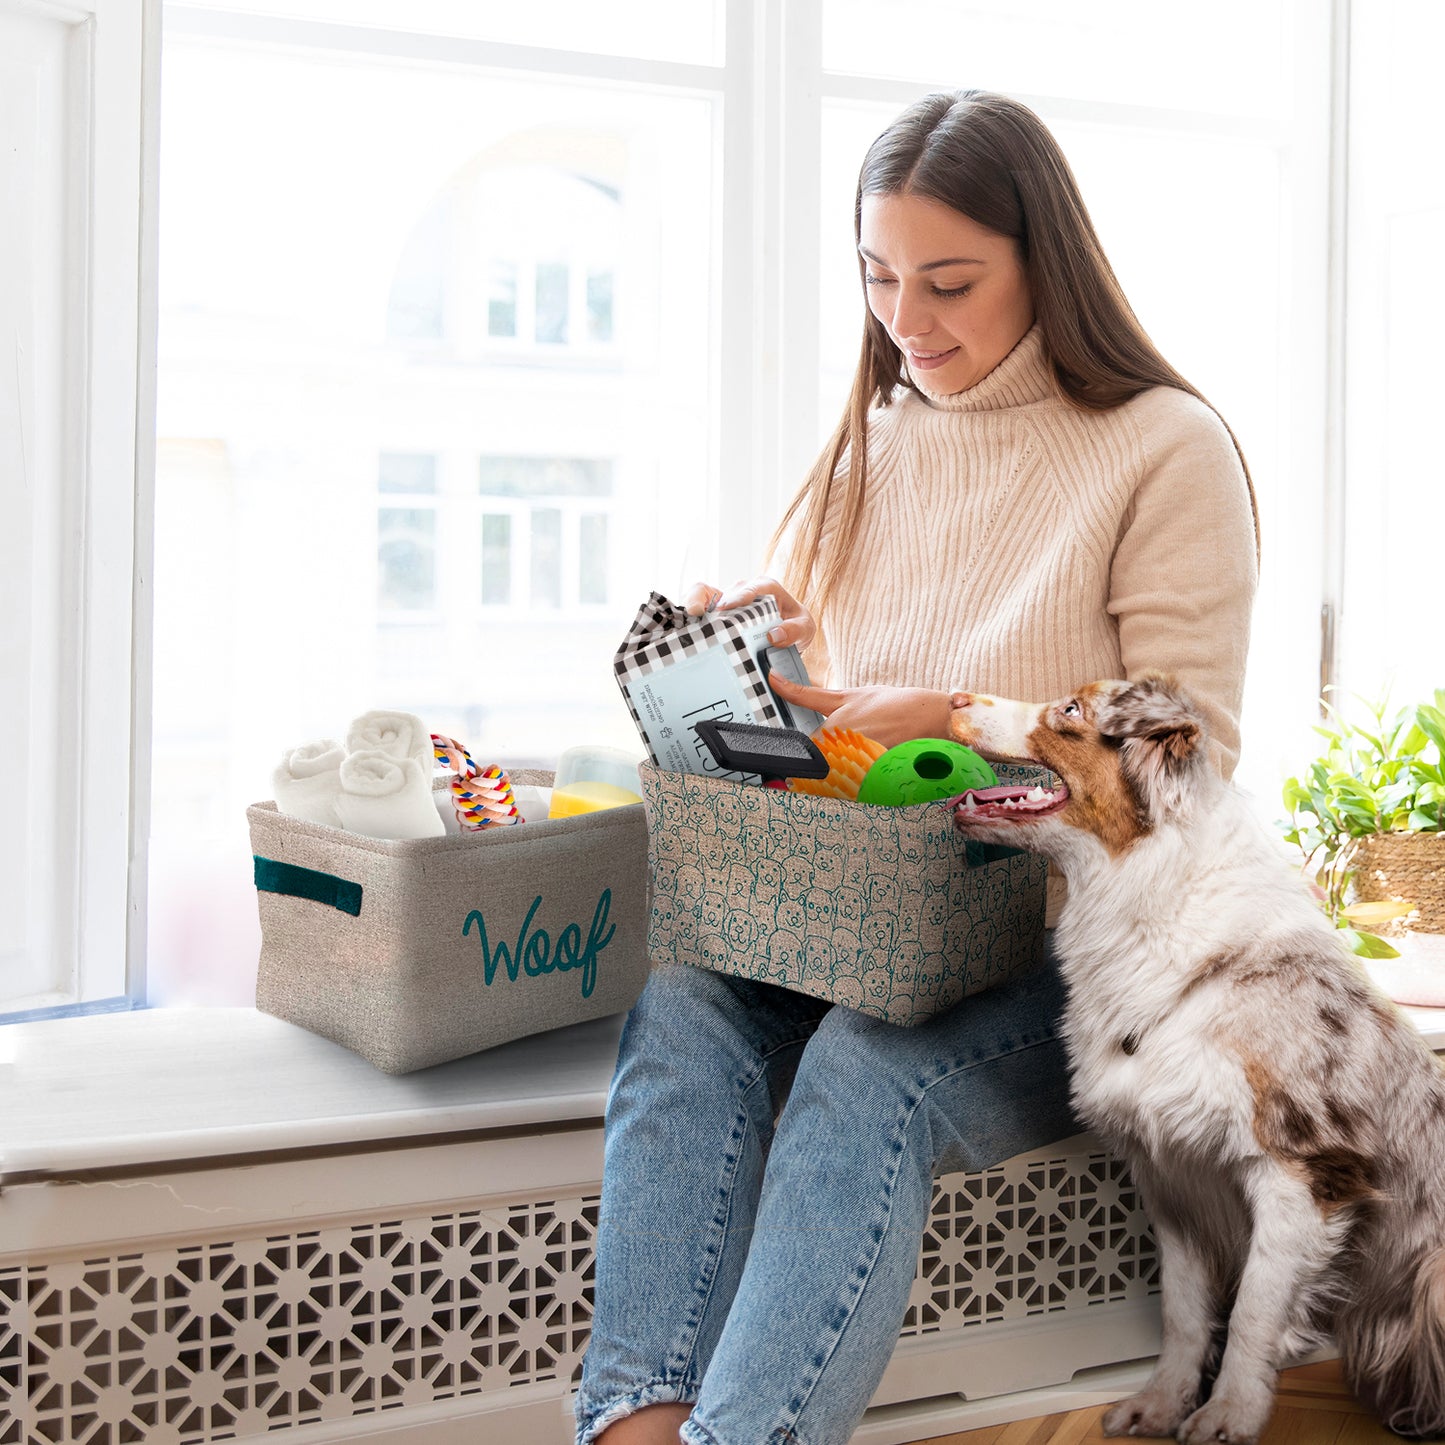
662	633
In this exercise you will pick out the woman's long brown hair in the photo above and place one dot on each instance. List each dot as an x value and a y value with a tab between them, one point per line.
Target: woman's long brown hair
994	161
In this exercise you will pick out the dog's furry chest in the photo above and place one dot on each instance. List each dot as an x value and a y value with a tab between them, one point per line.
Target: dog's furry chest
1154	1077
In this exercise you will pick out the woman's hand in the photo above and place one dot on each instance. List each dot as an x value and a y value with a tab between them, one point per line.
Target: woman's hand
888	715
797	627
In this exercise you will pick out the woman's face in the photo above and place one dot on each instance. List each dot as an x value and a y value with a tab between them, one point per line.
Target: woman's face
952	294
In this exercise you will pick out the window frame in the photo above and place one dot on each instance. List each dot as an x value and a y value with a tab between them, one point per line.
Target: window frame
92	653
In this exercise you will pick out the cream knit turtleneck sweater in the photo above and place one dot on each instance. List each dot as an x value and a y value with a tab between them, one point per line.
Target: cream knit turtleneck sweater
1013	543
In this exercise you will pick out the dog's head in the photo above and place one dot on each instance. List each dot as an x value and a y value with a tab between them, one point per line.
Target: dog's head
1129	754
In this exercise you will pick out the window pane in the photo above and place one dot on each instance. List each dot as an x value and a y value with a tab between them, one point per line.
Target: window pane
1392	636
510	238
496	561
406	472
1229	57
552	284
545	477
406	559
599	306
502	303
416	308
592	560
282	245
546	557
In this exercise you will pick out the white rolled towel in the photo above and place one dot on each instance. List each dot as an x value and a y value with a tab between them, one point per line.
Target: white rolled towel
397	734
307	781
387	797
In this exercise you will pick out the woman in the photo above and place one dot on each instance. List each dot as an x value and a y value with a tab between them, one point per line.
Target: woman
1022	496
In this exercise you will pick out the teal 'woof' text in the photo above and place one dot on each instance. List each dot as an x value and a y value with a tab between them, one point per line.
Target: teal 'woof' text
534	954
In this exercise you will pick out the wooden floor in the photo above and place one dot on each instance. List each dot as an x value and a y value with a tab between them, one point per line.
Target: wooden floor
1313	1408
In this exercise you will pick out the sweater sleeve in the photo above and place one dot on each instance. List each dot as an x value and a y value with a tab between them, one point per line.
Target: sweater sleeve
1184	570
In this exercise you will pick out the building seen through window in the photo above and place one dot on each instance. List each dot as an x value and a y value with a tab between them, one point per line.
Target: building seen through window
513	254
539	526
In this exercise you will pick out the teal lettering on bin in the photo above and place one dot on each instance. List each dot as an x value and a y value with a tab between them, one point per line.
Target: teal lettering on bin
534	954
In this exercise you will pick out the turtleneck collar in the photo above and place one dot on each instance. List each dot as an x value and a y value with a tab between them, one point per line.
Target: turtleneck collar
1023	376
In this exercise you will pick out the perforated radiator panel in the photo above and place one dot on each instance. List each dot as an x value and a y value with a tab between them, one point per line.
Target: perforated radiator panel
239	1337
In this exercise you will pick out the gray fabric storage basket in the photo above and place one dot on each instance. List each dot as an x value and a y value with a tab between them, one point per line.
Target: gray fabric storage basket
387	946
890	911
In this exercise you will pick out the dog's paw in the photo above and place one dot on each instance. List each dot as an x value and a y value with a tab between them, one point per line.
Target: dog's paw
1154	1414
1225	1422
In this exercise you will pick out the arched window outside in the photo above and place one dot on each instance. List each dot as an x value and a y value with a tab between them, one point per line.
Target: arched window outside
510	263
510	255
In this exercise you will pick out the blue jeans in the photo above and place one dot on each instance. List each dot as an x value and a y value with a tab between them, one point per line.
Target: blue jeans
768	1175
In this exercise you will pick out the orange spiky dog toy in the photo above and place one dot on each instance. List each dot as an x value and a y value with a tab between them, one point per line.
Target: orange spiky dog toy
849	756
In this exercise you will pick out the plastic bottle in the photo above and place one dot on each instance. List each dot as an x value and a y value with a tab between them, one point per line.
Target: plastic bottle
589	778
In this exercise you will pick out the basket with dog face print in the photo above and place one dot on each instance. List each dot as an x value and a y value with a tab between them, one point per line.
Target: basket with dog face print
885	910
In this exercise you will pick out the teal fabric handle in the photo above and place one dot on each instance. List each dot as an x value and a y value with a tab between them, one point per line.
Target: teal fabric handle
296	882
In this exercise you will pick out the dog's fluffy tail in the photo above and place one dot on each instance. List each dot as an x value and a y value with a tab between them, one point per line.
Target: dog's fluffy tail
1392	1343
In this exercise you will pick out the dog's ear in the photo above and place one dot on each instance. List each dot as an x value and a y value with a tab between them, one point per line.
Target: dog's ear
1161	737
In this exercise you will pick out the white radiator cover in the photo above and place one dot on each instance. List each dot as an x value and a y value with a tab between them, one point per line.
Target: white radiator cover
354	1325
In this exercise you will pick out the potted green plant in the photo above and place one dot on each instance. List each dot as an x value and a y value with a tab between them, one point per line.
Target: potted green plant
1368	814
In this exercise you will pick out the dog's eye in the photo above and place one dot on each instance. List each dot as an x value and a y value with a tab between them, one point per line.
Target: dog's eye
1071	709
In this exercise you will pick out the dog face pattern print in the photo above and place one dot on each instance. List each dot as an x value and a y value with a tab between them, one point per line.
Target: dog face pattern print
885	910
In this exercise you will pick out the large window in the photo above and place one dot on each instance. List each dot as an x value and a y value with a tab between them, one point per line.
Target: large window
478	323
421	316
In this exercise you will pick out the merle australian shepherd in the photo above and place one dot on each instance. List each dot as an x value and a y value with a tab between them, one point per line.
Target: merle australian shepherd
1285	1126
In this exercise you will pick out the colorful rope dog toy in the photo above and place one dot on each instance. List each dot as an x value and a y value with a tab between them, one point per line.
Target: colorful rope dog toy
482	797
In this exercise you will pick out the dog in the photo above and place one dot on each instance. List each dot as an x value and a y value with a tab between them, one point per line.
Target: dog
1284	1124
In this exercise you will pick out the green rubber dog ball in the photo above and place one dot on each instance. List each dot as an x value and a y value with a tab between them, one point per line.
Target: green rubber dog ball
923	771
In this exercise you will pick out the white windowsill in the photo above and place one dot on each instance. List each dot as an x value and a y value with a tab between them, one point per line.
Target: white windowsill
164	1086
1430	1022
130	1090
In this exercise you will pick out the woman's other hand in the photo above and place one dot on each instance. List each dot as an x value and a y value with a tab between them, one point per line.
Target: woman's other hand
888	715
797	628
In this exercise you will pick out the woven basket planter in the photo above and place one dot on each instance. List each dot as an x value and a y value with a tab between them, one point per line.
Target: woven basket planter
1404	867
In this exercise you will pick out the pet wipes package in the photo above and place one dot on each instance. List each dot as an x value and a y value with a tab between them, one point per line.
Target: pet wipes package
412	952
675	670
890	911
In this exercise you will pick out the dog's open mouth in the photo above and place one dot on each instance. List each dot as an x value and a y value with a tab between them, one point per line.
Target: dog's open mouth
1007	801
